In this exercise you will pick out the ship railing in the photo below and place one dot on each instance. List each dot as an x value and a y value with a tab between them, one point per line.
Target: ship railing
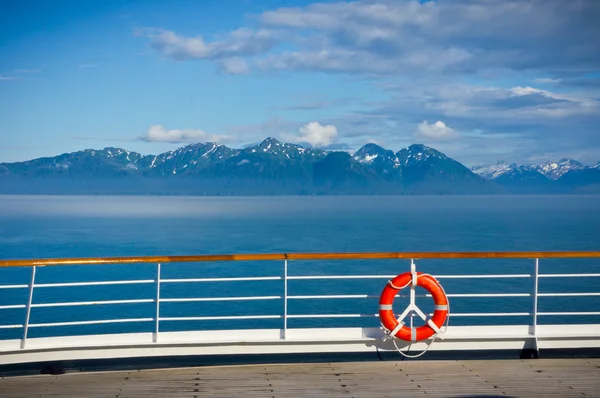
588	335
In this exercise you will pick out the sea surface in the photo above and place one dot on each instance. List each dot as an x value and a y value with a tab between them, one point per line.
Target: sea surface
109	226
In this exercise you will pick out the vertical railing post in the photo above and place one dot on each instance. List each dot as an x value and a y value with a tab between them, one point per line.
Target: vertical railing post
413	298
28	310
157	315
285	297
535	295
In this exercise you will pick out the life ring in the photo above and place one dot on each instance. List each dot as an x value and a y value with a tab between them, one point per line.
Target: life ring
398	329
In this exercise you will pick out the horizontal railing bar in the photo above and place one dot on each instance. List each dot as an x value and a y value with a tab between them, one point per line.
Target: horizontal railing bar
300	316
474	295
357	296
567	275
293	256
236	279
488	295
482	276
429	255
492	314
219	318
127	320
315	277
140	260
262	278
82	303
568	313
11	326
190	300
332	296
10	307
103	283
13	286
568	294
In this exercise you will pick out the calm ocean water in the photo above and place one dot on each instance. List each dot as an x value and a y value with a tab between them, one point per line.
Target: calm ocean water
87	226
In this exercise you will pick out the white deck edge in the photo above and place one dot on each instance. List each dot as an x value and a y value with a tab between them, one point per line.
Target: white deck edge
270	341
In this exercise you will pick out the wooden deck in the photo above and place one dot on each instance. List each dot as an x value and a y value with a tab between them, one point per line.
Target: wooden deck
501	378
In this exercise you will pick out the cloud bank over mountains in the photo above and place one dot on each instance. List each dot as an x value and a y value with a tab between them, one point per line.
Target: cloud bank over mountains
463	36
501	78
158	133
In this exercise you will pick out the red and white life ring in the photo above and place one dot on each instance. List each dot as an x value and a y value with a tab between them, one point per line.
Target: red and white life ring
398	329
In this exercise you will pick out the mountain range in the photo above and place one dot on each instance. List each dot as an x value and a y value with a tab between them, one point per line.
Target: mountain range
276	168
565	176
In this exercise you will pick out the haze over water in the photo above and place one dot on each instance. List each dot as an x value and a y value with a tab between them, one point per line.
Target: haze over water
68	226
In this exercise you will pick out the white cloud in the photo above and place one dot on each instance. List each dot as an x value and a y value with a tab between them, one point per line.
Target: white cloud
240	42
158	133
437	131
405	36
436	36
526	91
364	61
234	66
471	107
547	81
580	101
317	135
174	46
27	70
6	78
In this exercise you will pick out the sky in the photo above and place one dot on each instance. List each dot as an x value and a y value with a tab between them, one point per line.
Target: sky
480	80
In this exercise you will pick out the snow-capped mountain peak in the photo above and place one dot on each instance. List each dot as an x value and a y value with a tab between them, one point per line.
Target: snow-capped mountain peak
271	146
493	171
555	170
113	152
418	153
370	152
552	170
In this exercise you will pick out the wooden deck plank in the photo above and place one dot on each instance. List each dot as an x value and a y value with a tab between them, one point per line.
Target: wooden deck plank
516	378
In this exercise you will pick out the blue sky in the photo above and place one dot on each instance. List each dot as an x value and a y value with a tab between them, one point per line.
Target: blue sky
517	80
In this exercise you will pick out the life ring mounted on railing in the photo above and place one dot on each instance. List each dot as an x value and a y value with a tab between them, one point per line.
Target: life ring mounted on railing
395	326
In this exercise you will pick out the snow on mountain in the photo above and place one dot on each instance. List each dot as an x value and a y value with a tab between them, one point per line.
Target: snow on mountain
555	170
187	158
370	153
493	171
552	170
418	153
271	146
520	170
415	169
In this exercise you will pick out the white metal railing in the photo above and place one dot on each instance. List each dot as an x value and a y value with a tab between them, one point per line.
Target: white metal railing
286	298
